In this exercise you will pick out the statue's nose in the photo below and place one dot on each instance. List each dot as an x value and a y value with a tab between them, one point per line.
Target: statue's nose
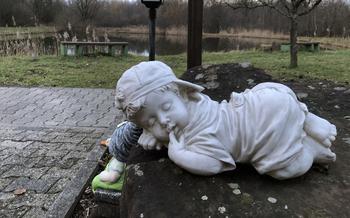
163	120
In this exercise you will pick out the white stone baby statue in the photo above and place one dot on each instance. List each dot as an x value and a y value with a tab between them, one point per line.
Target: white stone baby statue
265	126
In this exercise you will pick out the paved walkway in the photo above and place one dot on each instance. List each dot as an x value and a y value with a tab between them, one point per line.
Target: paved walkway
45	135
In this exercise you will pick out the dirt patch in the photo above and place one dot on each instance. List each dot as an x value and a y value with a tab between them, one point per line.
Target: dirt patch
86	205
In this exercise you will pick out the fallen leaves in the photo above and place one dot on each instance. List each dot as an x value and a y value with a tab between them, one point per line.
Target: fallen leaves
104	143
20	191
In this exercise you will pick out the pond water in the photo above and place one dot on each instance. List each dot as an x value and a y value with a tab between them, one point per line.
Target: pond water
138	44
171	45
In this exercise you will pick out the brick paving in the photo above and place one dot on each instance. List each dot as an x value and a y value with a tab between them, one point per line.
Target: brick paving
45	136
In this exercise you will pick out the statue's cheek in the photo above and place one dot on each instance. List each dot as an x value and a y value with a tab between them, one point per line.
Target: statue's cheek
183	118
160	133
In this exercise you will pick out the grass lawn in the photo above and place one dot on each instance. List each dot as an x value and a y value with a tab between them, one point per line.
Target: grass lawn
103	71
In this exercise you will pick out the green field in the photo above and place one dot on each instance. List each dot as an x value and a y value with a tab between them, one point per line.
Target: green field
103	71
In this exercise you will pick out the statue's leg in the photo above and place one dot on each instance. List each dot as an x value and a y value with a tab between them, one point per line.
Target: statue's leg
124	137
297	167
312	151
320	129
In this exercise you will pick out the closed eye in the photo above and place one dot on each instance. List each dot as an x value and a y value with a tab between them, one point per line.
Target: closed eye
166	106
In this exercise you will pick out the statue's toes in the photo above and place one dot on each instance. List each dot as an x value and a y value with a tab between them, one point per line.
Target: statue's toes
331	157
327	142
333	130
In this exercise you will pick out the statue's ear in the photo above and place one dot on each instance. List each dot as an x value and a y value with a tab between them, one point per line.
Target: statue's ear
118	104
189	94
188	85
189	91
119	99
194	96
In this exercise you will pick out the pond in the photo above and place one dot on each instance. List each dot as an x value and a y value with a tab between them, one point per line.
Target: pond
171	45
138	44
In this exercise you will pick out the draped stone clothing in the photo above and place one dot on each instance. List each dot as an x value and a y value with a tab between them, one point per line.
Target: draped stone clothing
262	126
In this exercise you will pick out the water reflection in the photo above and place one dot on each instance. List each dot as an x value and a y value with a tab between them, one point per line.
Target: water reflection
171	45
138	44
165	45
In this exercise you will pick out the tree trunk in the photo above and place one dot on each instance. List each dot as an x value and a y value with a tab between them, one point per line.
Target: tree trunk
293	42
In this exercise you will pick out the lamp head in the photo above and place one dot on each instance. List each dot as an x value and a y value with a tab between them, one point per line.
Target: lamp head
152	3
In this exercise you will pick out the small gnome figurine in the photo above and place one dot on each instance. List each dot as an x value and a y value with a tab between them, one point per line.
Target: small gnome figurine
124	137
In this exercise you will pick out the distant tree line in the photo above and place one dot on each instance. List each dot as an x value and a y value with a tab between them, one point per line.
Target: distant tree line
29	12
330	18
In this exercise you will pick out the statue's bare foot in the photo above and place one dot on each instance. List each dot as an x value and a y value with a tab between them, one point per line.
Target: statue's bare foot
320	129
321	153
325	155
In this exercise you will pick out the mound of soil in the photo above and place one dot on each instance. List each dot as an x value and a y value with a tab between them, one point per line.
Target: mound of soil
165	190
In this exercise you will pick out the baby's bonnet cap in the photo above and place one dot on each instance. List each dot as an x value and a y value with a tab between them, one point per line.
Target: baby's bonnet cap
144	78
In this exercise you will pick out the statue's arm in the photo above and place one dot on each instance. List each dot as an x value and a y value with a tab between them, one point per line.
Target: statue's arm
148	141
191	161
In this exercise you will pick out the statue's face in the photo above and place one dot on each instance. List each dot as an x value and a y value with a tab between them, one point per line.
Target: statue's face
163	112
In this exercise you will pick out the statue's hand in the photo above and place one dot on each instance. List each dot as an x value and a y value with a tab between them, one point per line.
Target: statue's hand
176	143
148	142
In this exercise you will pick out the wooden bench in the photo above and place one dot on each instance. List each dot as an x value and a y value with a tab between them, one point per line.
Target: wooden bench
77	48
266	47
303	46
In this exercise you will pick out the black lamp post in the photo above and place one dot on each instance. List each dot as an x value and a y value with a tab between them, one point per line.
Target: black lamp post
152	5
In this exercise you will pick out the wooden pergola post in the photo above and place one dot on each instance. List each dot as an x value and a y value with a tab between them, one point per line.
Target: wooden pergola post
194	34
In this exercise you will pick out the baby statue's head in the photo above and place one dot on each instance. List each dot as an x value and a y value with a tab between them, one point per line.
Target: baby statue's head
150	95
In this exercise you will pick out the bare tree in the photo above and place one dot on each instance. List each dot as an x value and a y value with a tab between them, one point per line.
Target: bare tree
292	9
43	11
87	9
213	16
172	13
6	11
13	10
